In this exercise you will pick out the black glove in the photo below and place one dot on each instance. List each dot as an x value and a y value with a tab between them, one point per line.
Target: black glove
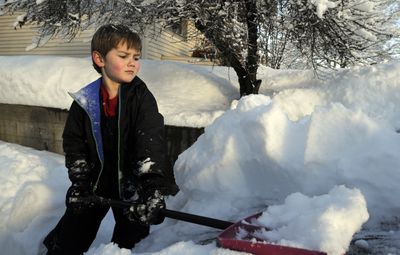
79	172
148	213
148	207
77	198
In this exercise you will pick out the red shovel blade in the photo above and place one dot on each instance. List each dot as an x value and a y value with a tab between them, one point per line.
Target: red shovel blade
239	237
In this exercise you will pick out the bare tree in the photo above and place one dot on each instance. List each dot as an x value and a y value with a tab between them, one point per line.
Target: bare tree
325	33
333	34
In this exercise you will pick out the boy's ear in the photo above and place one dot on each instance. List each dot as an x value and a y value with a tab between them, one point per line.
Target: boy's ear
98	59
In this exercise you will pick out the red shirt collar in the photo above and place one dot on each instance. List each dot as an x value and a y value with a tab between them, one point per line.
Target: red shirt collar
109	105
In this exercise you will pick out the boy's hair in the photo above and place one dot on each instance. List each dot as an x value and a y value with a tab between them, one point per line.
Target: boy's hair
109	36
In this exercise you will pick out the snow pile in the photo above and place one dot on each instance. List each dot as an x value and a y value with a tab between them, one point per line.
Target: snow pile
328	222
254	152
33	185
373	90
189	95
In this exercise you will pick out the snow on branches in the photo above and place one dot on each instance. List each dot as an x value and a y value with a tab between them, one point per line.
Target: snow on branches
317	33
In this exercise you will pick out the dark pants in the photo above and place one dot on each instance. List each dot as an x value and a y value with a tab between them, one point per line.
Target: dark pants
75	233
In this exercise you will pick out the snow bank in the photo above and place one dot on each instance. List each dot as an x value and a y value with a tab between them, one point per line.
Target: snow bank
374	90
256	151
33	185
328	222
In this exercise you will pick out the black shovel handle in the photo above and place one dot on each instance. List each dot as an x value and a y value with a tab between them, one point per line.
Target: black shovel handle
192	218
196	219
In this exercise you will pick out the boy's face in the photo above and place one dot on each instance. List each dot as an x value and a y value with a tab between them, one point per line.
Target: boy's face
120	65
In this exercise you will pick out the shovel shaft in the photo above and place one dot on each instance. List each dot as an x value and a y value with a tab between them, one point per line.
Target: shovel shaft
192	218
196	219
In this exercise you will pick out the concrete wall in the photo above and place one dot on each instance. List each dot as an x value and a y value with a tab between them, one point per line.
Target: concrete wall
36	127
41	128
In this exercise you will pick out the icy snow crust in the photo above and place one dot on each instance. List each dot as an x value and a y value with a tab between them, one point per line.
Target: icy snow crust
323	155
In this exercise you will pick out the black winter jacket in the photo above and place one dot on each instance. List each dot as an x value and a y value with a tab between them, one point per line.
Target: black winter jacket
141	143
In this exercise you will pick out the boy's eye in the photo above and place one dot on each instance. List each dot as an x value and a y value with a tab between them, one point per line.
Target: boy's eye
122	56
137	58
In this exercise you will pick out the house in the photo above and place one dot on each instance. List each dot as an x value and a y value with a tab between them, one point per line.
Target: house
169	44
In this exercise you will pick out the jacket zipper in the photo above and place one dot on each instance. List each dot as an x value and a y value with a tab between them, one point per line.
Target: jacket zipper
95	140
119	142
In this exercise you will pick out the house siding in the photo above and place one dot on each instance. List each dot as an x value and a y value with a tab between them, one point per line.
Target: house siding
15	41
166	43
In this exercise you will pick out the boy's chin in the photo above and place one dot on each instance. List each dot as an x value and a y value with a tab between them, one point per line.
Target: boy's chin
127	80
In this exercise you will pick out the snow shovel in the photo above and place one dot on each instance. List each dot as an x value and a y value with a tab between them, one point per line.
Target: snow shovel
240	236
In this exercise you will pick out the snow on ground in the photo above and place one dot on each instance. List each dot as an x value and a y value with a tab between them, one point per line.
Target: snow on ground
323	154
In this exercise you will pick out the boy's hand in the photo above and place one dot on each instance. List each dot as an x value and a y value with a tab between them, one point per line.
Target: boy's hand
79	172
79	169
74	201
148	213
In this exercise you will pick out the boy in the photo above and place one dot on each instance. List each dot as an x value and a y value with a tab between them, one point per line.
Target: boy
114	147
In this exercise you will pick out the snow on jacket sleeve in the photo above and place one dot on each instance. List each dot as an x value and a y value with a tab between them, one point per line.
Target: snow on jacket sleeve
151	156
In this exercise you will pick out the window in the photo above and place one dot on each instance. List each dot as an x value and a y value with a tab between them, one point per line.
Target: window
179	28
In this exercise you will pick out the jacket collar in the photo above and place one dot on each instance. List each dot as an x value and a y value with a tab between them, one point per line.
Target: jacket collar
88	98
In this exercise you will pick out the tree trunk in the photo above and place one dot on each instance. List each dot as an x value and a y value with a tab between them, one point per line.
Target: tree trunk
247	77
251	84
